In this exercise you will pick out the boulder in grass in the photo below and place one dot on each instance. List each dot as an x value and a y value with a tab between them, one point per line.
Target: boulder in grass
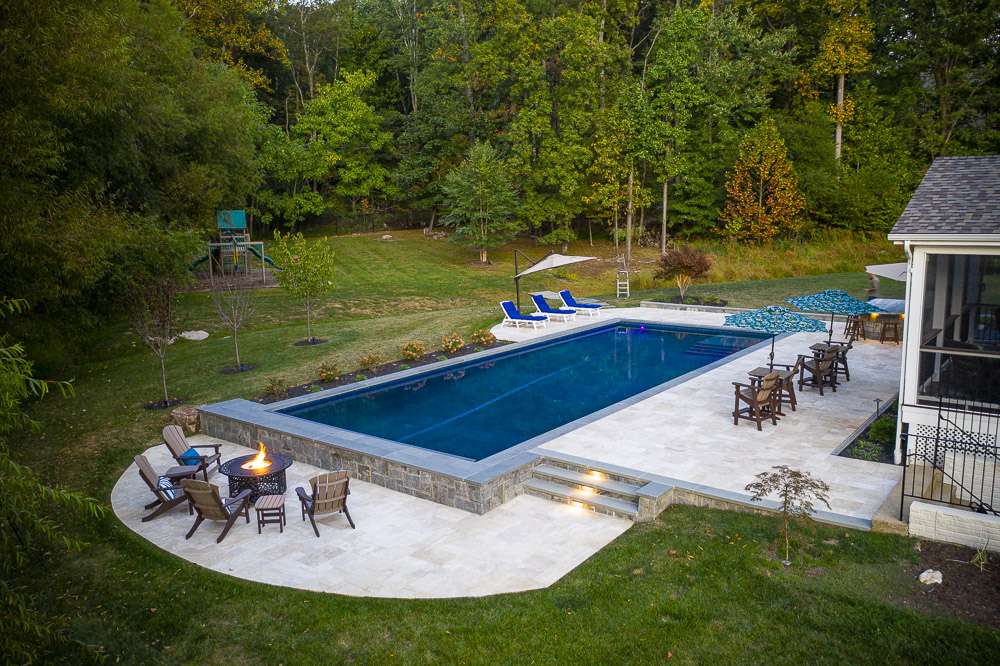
186	416
931	577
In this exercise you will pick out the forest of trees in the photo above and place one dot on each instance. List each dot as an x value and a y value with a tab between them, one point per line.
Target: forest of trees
126	118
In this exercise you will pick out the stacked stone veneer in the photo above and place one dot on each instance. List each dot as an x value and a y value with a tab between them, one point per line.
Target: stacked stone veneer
954	525
437	487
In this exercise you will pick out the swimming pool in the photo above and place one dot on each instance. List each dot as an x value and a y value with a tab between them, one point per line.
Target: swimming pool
476	409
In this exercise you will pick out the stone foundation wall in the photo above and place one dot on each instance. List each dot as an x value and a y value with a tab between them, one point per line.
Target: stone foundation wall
450	491
954	525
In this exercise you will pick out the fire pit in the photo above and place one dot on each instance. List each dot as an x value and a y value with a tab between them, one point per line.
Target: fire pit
262	472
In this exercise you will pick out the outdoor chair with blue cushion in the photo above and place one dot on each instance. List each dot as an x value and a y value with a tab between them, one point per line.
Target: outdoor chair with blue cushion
544	308
586	309
513	316
187	454
165	487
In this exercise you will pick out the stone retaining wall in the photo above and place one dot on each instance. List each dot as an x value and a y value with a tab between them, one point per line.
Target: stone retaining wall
441	488
954	525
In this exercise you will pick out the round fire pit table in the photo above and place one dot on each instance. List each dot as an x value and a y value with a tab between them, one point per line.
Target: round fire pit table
265	481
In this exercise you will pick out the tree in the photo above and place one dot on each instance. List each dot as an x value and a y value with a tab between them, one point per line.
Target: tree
27	501
234	32
346	133
481	200
157	271
843	51
684	264
797	491
234	303
307	271
762	192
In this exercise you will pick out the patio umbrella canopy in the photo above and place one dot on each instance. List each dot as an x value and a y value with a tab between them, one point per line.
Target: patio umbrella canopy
775	319
553	261
895	272
834	301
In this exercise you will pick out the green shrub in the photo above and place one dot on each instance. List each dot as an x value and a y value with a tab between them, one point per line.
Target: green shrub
482	337
275	387
370	360
328	371
452	342
883	430
866	449
414	349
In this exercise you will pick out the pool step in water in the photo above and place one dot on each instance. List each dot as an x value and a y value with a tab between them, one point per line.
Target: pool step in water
590	489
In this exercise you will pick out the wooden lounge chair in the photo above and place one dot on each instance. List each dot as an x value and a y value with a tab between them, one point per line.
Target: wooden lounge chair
204	496
166	487
822	370
174	438
329	495
761	400
786	383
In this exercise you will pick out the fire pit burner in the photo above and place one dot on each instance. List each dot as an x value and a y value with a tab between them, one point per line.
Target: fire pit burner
268	480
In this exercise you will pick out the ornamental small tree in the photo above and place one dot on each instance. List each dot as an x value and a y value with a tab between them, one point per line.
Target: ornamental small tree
684	264
481	200
155	270
234	303
762	191
797	491
307	271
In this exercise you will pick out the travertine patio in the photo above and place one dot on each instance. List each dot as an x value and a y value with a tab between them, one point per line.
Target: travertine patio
403	546
686	433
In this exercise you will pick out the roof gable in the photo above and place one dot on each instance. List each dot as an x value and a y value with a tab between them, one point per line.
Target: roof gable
958	195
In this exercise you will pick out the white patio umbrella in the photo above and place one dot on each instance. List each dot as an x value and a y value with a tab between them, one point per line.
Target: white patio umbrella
553	260
895	272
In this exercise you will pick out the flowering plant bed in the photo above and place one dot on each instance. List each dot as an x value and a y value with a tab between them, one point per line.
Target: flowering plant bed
357	375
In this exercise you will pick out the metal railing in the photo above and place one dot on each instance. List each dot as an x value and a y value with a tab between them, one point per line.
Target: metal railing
955	461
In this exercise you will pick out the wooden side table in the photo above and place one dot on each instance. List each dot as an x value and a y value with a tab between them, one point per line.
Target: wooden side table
270	511
890	329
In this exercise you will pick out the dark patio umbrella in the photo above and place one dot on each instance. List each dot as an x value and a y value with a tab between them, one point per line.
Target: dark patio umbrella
834	301
775	319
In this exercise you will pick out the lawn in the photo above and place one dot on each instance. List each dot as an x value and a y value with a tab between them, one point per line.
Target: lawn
696	586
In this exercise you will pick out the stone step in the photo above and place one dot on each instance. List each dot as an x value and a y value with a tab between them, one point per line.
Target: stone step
586	469
600	483
595	502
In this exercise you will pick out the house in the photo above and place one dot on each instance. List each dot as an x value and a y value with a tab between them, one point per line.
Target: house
949	389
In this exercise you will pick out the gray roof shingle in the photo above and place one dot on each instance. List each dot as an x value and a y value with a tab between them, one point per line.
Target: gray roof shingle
958	195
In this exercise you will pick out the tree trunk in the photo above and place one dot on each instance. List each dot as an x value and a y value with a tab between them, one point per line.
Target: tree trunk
309	330
629	215
615	217
663	217
163	378
590	232
838	140
430	227
483	259
236	346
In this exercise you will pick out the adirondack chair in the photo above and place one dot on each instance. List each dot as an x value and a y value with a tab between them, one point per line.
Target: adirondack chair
165	487
186	453
208	505
822	370
761	400
786	384
329	495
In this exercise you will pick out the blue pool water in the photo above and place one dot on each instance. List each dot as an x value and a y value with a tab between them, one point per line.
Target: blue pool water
477	409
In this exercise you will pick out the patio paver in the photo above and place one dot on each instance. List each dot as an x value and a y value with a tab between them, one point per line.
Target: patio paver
403	546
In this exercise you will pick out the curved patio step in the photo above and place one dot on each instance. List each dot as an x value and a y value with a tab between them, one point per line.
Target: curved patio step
596	502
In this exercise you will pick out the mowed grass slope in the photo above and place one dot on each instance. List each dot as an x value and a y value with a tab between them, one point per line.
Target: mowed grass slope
696	586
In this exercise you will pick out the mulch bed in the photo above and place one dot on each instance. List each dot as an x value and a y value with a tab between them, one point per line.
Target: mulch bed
700	300
233	370
377	371
160	404
967	592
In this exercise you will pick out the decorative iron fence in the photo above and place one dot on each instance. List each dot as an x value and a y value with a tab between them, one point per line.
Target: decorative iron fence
955	461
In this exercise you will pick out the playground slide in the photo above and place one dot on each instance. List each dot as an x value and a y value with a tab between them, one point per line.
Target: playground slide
200	260
262	257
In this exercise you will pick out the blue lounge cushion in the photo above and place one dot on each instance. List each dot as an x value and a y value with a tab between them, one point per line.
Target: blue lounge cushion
166	487
512	312
543	306
191	457
572	302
